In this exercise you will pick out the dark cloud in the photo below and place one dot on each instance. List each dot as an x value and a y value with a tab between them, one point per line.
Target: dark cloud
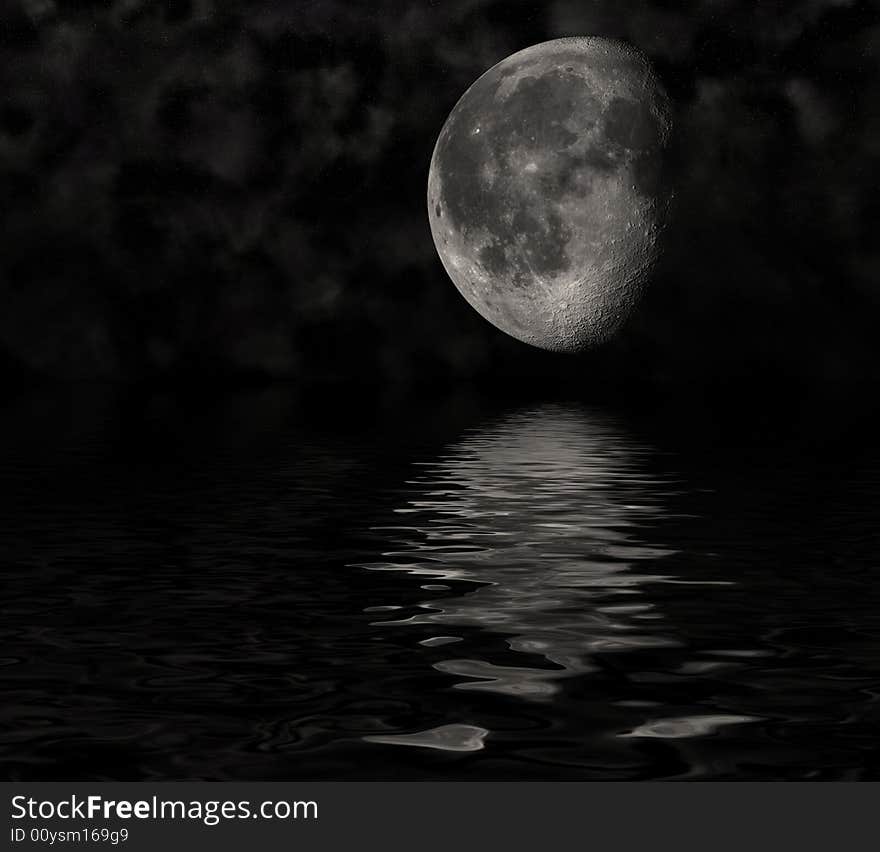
221	189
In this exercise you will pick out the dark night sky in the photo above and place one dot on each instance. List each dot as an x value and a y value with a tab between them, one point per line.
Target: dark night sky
226	190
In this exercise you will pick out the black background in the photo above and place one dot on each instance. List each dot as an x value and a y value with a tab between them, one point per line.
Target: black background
219	195
230	191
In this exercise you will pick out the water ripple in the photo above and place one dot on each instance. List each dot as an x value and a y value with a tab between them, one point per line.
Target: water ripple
224	591
687	726
444	738
545	515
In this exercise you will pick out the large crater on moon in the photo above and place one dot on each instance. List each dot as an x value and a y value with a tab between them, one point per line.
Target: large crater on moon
547	192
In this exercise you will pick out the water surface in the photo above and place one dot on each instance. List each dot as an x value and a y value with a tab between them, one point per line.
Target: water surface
237	588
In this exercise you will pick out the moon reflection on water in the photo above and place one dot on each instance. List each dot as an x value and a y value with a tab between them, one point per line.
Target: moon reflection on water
548	512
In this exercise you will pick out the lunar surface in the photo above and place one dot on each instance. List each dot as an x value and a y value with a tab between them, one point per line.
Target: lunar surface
547	193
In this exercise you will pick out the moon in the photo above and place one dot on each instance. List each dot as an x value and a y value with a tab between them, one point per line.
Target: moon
548	192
